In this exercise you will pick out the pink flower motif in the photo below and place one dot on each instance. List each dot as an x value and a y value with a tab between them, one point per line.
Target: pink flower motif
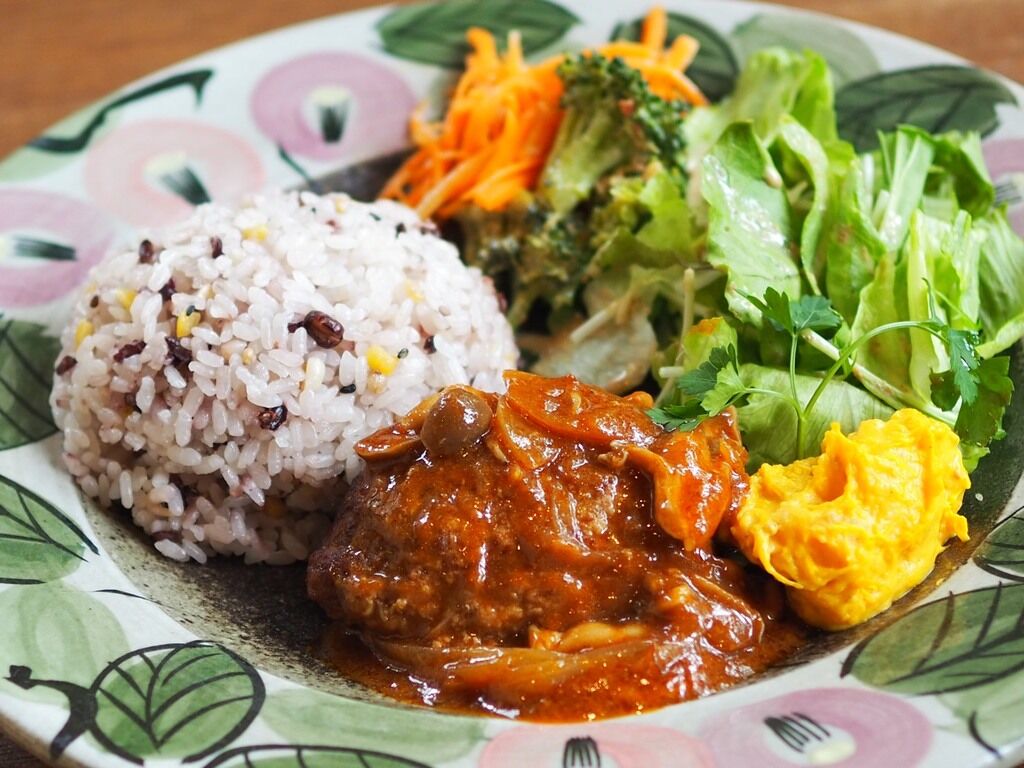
153	172
840	727
324	104
608	744
1005	161
48	242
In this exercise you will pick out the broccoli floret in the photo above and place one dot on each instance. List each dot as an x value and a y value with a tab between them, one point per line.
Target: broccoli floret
612	120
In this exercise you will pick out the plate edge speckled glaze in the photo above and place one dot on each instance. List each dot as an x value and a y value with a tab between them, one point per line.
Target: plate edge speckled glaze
63	189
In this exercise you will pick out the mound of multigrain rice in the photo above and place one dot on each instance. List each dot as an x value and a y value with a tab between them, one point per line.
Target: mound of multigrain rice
214	377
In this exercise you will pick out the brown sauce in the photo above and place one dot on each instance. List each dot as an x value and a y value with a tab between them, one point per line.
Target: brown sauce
610	693
547	554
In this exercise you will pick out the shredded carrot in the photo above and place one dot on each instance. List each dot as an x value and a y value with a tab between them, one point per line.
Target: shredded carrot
503	116
655	29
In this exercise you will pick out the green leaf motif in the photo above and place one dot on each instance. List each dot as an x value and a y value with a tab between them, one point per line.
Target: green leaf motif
196	80
957	643
45	250
184	701
938	98
27	162
38	542
303	716
59	631
436	33
1002	553
849	57
27	355
181	700
272	756
714	69
994	713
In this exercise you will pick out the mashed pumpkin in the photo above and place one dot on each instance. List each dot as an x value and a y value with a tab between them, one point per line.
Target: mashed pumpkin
850	531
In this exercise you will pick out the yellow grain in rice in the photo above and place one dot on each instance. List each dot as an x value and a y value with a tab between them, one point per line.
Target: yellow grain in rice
83	331
186	322
125	297
380	360
412	292
257	233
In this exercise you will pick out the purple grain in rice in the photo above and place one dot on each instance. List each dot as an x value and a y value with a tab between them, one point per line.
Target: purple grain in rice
146	252
130	349
167	290
323	329
66	364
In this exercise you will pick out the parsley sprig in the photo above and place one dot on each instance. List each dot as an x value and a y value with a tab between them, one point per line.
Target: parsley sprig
970	396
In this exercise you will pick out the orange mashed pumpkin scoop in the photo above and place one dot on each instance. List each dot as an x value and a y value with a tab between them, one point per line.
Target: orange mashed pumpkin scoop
852	530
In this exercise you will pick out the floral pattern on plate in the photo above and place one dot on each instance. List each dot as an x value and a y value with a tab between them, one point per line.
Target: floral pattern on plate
322	105
153	172
139	687
841	727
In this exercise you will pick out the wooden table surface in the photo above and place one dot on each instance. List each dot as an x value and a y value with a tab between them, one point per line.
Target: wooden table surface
60	55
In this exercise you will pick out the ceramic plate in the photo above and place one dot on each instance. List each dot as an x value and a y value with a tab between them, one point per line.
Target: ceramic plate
111	655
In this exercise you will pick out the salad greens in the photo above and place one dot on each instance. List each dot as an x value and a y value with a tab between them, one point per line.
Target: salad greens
743	255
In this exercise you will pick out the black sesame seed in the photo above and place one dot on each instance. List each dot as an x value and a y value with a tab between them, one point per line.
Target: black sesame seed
130	349
323	329
428	345
216	246
375	217
168	290
66	364
272	418
348	389
146	252
400	228
94	302
403	353
190	310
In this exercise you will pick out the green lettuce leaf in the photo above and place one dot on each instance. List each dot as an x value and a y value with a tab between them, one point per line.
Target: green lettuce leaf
906	157
1000	284
646	223
939	261
852	248
775	82
884	300
769	424
668	228
750	232
959	174
954	250
798	146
